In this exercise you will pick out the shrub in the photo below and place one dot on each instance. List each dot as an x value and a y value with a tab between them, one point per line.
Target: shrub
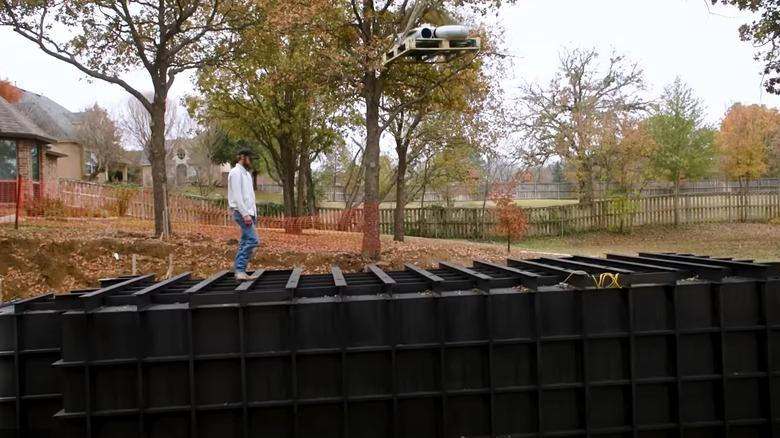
45	207
511	220
122	195
624	207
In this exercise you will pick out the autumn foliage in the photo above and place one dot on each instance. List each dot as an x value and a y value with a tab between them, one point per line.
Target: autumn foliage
511	220
747	135
9	92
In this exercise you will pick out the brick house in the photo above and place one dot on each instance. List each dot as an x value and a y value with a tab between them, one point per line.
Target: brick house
25	153
77	161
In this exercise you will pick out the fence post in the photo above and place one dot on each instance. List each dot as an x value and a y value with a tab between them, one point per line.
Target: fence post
19	193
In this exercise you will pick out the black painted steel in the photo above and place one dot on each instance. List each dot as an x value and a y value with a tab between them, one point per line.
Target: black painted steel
30	342
529	350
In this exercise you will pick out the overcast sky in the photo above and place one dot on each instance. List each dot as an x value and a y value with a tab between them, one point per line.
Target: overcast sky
666	37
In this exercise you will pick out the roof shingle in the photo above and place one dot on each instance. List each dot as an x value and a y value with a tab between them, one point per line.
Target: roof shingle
54	119
14	124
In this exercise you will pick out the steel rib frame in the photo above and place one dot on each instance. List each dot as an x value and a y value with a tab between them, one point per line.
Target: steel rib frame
707	272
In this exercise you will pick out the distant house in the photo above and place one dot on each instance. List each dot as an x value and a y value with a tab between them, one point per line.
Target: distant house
185	166
25	153
61	124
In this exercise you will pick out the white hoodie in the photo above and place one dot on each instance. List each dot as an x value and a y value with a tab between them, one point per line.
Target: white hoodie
241	195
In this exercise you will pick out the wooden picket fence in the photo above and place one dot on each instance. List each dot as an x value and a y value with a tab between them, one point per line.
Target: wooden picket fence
76	198
611	214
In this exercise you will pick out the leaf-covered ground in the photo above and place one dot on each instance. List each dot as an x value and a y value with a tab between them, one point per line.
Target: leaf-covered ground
59	256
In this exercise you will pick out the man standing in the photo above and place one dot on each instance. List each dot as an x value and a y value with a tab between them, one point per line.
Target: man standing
241	200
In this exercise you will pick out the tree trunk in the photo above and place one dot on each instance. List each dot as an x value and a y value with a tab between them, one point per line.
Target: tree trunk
371	247
311	198
585	185
485	194
424	185
743	186
162	220
400	196
287	175
303	164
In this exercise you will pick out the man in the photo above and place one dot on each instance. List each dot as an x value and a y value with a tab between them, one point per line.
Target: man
241	200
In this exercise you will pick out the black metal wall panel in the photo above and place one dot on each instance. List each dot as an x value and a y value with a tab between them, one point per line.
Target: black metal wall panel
30	342
451	352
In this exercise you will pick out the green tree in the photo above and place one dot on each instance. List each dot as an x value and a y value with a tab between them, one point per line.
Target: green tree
684	142
763	32
106	39
369	29
446	116
624	159
269	97
558	172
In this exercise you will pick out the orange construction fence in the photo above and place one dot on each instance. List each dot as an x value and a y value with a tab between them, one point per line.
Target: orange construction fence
21	200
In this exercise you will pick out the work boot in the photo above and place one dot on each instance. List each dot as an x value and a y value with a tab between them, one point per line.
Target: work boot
242	276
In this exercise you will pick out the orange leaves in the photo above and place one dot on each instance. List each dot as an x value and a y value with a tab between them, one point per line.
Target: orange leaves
746	135
511	220
9	92
80	252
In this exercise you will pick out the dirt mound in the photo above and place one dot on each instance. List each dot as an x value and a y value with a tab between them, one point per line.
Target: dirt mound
56	257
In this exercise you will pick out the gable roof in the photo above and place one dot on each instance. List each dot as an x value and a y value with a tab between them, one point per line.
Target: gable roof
14	124
56	120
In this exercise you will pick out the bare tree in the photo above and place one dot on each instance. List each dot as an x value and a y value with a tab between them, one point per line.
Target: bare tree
568	117
203	155
136	125
100	137
106	39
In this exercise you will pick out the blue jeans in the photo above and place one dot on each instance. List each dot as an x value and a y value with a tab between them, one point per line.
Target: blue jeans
248	242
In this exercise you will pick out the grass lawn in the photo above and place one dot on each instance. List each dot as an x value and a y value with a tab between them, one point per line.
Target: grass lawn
221	193
468	204
751	241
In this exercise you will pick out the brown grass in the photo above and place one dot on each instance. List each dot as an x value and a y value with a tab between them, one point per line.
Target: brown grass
747	240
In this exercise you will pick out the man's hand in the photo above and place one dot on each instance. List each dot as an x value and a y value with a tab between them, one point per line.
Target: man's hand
247	219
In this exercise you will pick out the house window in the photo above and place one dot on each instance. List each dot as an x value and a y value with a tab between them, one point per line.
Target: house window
7	159
35	159
90	163
181	154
